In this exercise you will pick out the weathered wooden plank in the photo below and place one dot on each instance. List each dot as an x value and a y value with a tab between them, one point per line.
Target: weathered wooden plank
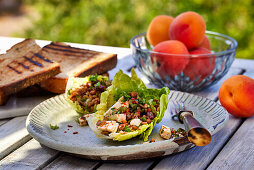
31	155
130	165
239	151
68	162
3	121
200	157
13	134
243	64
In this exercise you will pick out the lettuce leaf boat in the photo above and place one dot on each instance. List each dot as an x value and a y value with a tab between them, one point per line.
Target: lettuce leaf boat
128	109
83	94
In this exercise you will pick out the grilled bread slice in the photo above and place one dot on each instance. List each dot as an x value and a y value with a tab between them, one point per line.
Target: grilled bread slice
25	64
75	62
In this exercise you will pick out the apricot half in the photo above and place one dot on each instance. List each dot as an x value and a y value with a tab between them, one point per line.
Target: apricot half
174	59
158	29
189	28
236	95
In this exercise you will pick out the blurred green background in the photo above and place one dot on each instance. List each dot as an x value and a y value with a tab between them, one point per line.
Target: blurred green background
113	23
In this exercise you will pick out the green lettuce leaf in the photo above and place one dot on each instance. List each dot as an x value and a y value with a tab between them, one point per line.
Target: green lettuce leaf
123	85
76	82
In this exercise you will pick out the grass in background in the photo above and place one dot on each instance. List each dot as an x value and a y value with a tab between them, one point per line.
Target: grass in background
114	23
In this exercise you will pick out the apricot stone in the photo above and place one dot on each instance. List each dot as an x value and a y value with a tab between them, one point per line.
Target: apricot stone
158	29
174	57
236	95
189	28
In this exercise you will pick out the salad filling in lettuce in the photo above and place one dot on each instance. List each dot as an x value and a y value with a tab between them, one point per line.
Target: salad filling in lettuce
84	93
128	109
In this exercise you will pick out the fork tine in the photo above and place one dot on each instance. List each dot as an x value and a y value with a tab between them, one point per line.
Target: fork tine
182	104
173	110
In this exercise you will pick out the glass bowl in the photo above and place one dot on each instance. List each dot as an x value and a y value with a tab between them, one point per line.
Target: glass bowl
185	72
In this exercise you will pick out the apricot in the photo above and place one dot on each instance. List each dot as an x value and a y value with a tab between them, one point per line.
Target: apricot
205	43
189	28
200	66
236	95
174	59
158	29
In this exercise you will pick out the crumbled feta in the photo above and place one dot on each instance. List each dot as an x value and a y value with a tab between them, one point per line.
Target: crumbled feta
82	121
135	122
120	117
165	132
110	126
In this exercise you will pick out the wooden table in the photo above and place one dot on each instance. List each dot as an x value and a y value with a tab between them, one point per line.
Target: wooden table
231	148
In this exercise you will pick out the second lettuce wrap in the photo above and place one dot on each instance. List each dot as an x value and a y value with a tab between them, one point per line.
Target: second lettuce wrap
123	85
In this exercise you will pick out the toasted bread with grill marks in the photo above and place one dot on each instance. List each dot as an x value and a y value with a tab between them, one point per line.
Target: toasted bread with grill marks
75	62
24	65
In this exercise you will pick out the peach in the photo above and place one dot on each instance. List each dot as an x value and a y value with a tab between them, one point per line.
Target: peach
158	29
189	28
236	95
205	43
200	66
169	63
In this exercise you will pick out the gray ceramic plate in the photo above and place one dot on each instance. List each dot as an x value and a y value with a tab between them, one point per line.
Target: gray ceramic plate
57	111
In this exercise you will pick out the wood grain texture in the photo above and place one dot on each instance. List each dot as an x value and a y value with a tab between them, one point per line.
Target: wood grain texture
13	134
69	162
243	64
31	155
200	157
239	151
3	121
145	164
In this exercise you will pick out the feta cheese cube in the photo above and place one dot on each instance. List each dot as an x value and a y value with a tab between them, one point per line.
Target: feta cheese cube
120	117
110	126
165	132
82	121
135	122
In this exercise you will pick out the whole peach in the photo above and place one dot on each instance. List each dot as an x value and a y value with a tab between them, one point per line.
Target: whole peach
158	29
236	95
173	59
205	43
200	66
189	28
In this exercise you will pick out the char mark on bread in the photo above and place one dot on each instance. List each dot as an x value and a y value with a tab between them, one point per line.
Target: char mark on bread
67	50
24	65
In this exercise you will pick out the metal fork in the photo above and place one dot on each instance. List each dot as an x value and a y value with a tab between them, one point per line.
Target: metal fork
197	133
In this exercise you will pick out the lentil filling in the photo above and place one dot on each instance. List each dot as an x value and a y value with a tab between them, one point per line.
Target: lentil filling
88	94
132	112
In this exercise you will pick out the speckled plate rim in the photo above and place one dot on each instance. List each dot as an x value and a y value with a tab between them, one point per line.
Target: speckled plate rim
126	152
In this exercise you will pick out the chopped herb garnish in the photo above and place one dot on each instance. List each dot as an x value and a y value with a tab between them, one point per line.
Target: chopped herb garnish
126	129
97	85
53	127
93	77
143	119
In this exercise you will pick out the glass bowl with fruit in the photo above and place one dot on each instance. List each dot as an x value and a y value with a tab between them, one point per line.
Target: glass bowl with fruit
181	54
